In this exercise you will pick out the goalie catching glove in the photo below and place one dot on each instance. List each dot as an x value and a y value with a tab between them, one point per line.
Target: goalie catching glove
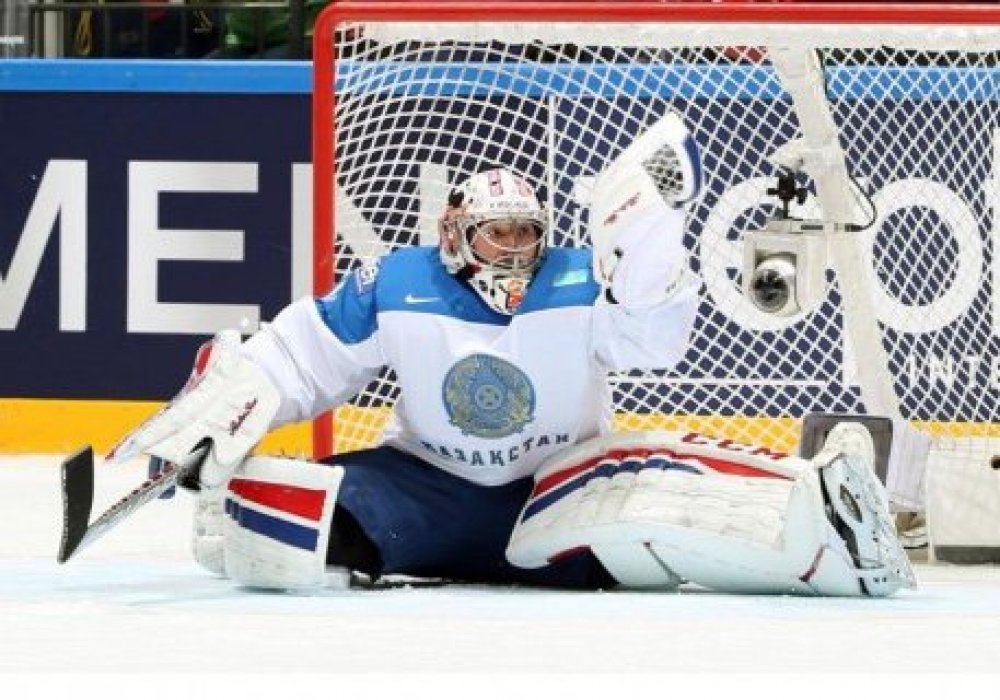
637	214
223	411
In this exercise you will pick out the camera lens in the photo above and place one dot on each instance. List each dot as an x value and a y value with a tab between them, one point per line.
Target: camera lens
771	286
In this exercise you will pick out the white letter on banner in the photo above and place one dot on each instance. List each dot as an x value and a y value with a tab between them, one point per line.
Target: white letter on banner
148	245
434	190
302	227
62	194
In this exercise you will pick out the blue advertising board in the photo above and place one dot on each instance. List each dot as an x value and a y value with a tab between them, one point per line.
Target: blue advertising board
98	154
146	204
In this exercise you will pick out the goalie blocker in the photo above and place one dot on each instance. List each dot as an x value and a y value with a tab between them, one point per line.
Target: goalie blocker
658	509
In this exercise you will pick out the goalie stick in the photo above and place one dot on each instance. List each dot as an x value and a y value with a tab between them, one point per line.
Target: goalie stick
78	499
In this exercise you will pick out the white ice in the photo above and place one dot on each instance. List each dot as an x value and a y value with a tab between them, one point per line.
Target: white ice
135	601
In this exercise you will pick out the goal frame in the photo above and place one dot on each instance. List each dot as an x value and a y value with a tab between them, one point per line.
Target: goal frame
790	12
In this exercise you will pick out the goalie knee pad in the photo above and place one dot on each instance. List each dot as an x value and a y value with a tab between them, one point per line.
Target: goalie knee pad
660	508
277	524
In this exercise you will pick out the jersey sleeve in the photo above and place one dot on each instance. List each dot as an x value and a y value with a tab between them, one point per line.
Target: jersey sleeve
320	352
649	337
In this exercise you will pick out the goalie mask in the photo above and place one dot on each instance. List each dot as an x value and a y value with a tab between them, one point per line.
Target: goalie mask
493	235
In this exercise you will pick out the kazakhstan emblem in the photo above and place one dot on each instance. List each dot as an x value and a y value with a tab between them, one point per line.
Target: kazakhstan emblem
488	397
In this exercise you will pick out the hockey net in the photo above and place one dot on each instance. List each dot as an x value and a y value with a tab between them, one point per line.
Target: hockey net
900	104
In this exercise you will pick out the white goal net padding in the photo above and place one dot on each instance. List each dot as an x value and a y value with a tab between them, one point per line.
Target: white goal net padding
903	125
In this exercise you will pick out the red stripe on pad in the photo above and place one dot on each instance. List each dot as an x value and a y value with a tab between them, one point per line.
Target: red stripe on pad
553	480
722	466
295	500
726	467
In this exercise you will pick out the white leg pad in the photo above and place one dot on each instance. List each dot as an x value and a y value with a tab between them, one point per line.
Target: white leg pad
640	566
805	555
660	508
277	524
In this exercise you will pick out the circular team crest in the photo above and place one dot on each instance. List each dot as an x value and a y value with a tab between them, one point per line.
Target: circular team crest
488	397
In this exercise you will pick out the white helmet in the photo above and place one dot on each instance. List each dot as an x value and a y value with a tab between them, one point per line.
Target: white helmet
493	235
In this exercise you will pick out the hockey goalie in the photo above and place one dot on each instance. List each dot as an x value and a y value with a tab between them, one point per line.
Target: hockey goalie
498	464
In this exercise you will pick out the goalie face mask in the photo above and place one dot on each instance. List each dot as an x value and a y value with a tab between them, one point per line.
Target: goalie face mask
514	245
493	235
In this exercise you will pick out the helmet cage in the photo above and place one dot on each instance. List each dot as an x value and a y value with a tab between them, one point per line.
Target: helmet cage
517	241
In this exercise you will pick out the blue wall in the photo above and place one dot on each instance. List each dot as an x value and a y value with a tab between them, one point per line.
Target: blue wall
111	113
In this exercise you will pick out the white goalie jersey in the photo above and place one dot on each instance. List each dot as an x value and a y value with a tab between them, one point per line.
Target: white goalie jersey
485	396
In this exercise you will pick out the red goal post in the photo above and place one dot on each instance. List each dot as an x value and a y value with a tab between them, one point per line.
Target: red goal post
909	381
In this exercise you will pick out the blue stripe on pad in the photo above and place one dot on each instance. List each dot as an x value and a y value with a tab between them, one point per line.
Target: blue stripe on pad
602	470
292	534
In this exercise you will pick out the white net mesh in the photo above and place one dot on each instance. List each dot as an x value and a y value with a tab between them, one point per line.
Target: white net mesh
419	108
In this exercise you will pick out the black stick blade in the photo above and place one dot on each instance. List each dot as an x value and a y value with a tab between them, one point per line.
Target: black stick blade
78	499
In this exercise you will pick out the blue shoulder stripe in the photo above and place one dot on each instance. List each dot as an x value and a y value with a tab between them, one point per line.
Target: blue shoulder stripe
349	311
414	280
566	278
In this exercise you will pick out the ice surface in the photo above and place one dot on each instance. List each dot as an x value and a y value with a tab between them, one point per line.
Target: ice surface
134	601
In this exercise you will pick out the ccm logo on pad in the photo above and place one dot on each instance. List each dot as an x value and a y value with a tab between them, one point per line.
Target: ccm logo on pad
733	446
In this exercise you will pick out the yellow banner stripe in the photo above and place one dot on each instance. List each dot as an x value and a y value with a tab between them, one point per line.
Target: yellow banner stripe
56	426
